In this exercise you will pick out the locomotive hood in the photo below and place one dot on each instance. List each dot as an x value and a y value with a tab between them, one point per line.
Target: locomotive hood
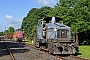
57	26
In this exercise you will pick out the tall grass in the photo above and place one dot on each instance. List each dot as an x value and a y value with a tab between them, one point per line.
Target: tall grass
29	41
84	51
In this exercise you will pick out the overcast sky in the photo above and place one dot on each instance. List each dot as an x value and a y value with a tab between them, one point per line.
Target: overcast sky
12	12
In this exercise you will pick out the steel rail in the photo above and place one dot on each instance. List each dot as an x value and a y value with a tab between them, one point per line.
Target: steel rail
78	57
11	55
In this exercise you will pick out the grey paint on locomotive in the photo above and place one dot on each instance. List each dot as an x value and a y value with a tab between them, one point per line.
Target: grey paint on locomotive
52	34
50	29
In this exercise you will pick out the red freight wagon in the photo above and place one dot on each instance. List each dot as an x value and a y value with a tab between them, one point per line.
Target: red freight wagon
10	36
19	35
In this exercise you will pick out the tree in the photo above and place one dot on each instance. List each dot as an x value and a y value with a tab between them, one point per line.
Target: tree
1	33
29	24
6	33
11	30
76	14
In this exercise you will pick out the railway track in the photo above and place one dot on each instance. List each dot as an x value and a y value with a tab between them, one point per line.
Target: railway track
71	57
11	55
5	53
23	51
38	53
58	57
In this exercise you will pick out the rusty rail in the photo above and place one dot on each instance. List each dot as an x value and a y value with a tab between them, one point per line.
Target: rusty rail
78	57
11	55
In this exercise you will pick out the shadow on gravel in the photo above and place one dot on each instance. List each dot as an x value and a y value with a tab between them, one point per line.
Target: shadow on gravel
78	54
64	55
3	50
15	48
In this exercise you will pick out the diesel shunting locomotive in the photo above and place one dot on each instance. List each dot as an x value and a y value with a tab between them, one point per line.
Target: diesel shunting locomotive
55	37
18	35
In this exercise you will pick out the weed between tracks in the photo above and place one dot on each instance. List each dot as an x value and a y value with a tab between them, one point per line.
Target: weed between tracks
29	41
